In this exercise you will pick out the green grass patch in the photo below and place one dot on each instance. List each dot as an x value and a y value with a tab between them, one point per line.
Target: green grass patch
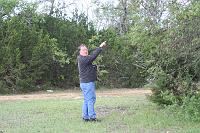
130	114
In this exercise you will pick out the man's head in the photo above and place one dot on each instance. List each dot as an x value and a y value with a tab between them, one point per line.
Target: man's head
83	50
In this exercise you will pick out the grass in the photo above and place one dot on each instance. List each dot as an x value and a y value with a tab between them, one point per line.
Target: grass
130	114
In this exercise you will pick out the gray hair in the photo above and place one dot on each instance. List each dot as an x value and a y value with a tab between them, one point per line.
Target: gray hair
82	45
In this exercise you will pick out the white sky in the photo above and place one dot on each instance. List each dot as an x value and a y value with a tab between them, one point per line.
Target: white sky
82	5
85	6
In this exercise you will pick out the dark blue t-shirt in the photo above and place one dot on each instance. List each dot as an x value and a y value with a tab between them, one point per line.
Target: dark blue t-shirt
88	71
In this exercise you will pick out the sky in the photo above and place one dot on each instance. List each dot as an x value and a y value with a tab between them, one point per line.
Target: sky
85	6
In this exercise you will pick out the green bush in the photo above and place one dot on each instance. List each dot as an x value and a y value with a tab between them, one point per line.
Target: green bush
170	53
191	108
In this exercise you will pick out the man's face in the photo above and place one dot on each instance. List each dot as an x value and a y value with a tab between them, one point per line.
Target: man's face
84	51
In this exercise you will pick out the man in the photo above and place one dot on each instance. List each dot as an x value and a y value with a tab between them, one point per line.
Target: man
88	76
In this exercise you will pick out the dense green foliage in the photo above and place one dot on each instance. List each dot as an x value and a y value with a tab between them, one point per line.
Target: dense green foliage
39	50
28	54
171	54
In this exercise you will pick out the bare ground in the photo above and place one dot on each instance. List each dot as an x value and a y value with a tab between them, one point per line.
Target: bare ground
75	94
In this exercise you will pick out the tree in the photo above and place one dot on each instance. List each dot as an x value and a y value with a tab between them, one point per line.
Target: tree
21	65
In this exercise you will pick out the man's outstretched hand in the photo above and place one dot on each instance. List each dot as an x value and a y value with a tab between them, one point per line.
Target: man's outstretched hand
103	44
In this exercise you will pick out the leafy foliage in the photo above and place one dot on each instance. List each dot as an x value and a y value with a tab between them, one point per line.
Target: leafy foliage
170	52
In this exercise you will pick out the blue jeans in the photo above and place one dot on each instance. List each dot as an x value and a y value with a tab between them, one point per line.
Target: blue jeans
88	90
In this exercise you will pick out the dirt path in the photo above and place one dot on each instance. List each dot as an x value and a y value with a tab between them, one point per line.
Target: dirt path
71	94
